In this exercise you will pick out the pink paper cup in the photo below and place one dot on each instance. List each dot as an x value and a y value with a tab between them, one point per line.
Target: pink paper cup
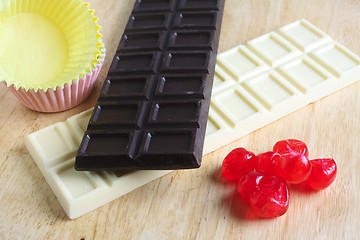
60	99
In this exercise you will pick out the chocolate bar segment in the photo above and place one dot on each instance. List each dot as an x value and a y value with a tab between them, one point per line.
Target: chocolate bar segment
196	20
153	107
117	115
199	4
127	88
176	62
185	113
142	63
131	42
154	5
144	22
178	86
196	40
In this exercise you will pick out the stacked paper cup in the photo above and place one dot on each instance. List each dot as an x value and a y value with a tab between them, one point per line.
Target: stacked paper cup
51	52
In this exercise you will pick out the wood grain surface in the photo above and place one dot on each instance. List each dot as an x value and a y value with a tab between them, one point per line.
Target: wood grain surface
197	204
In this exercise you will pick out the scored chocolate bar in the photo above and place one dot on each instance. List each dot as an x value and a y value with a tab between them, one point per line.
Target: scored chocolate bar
153	107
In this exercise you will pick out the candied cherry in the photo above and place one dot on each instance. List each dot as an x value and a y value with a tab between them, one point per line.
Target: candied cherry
248	184
323	173
291	146
267	163
267	196
267	203
238	163
294	168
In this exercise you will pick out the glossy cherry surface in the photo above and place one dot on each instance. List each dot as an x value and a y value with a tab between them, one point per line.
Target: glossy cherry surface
238	163
291	146
323	173
294	168
267	196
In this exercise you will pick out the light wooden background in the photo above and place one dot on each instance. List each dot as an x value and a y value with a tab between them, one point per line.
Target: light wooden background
196	204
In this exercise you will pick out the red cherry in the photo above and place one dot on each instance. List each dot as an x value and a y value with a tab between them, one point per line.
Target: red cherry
238	163
294	168
268	196
271	202
291	146
323	173
248	184
267	163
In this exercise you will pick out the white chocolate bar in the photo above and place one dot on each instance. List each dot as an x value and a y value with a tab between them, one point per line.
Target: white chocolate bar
272	76
254	85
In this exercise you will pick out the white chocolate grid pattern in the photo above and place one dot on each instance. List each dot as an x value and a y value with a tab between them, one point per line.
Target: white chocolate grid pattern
272	76
254	85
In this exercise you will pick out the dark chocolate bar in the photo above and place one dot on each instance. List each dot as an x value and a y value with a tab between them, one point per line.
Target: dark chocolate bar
153	107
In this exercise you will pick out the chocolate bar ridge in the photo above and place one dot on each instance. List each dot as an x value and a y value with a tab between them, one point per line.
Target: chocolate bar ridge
153	107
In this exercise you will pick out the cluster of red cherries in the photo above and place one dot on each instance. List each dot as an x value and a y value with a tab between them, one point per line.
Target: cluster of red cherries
263	179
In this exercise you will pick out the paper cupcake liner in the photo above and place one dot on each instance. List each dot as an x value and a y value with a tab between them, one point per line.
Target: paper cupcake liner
60	99
72	83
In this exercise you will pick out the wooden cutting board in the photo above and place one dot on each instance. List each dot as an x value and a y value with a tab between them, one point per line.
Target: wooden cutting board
196	204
